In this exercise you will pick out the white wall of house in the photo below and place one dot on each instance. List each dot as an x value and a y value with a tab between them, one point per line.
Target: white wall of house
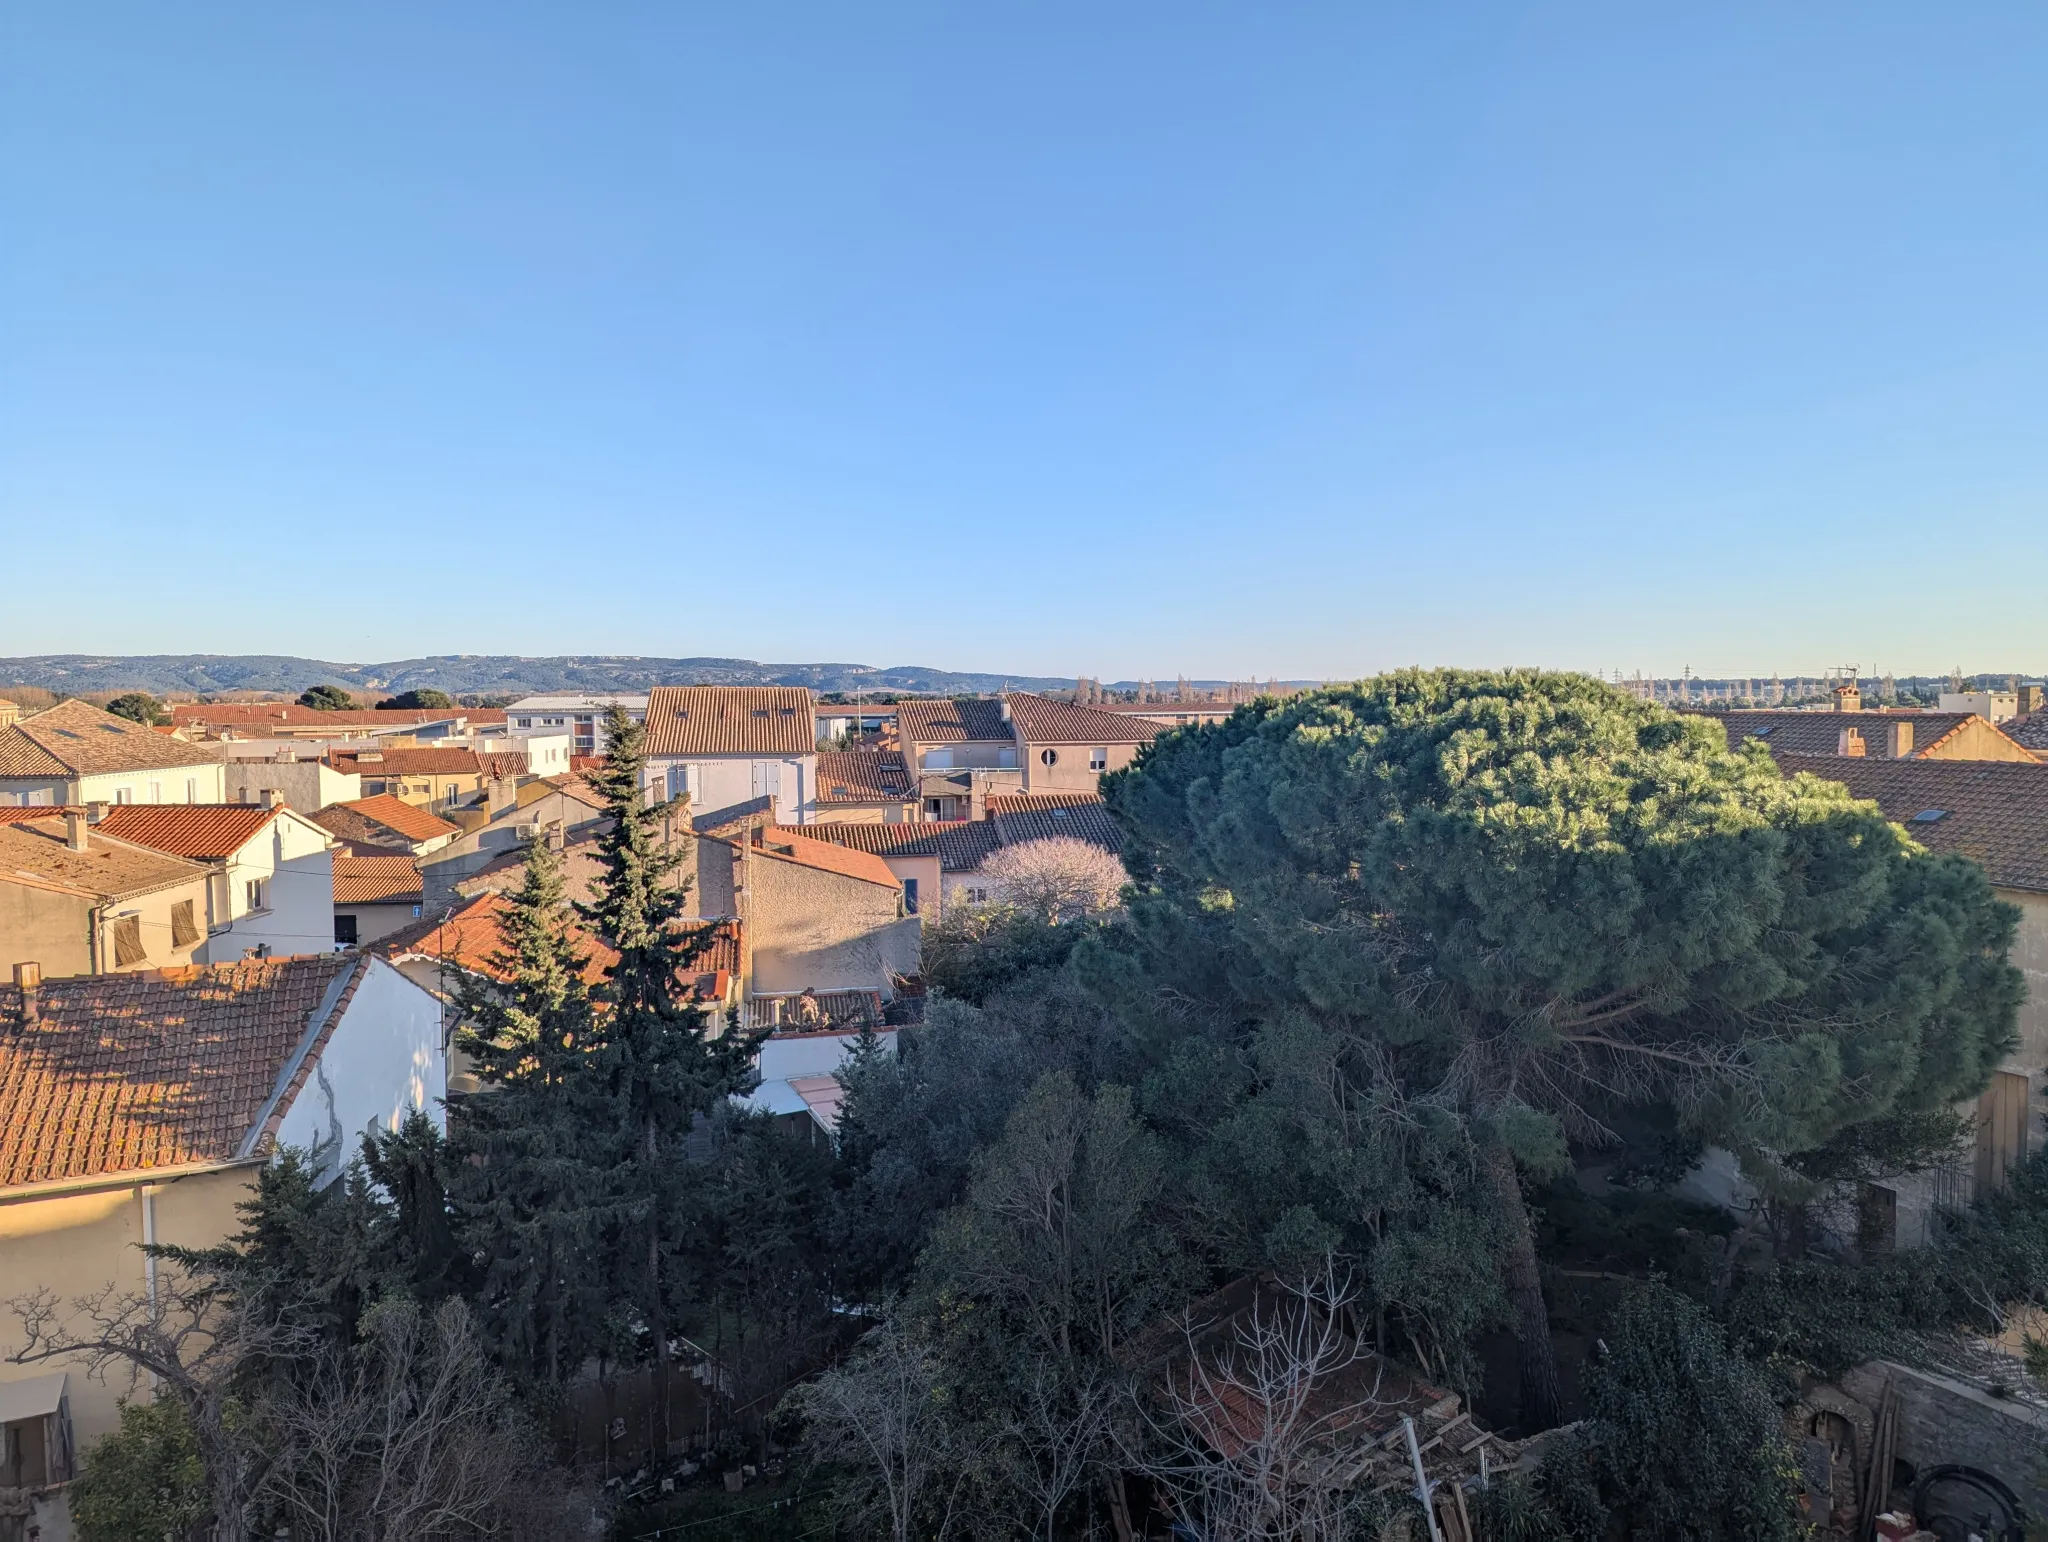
277	892
169	784
384	1058
716	782
812	1054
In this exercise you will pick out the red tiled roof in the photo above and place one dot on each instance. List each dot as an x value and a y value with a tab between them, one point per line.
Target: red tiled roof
472	938
730	720
572	784
952	722
1994	811
1088	822
375	880
414	824
1785	731
206	831
404	762
1041	720
959	844
826	856
130	1072
863	776
502	762
75	738
36	852
1032	802
254	716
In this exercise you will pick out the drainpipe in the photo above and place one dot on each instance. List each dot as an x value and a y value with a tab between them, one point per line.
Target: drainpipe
148	1192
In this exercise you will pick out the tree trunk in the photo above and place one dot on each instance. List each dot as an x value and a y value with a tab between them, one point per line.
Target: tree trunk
1541	1404
657	1312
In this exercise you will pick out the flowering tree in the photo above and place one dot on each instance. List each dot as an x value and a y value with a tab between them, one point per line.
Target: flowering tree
1060	879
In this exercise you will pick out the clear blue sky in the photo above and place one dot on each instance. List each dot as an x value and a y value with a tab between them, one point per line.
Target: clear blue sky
1116	339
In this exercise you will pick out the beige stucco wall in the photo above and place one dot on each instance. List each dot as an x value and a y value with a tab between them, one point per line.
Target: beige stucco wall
44	926
892	813
169	785
824	930
1071	772
77	1244
1975	740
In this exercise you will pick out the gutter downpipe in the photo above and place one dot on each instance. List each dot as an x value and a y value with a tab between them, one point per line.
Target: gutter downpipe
148	1193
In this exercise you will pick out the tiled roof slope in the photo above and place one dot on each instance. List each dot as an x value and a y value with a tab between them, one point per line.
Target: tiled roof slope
730	720
959	844
375	880
787	842
204	831
1041	720
472	936
415	824
951	722
75	738
403	762
2031	730
1992	810
1820	733
1032	802
130	1072
503	762
863	776
37	852
1083	822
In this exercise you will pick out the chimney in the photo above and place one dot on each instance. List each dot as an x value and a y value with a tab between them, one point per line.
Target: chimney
977	797
1898	740
27	977
1848	698
1006	709
500	794
1851	742
273	797
2030	699
95	812
74	829
285	756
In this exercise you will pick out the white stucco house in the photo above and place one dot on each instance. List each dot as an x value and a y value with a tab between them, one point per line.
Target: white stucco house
721	746
75	753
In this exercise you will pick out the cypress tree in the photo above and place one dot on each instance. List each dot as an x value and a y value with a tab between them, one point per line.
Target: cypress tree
662	1068
528	1188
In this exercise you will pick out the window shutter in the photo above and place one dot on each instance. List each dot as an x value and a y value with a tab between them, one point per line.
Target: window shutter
184	930
128	942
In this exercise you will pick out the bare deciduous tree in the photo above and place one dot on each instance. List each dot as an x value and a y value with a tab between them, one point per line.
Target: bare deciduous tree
1060	879
1254	1432
886	1417
1057	1432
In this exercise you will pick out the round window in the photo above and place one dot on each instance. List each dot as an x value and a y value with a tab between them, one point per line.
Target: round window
1049	757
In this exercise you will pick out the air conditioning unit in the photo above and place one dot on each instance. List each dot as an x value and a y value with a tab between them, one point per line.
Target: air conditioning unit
527	832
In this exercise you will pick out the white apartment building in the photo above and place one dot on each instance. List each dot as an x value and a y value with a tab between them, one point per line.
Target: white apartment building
581	717
723	745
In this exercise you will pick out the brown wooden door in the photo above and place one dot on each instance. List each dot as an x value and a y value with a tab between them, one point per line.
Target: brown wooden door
2001	1129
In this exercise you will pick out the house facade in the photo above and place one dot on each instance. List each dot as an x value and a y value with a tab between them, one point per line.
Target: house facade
579	716
76	754
720	746
308	785
374	897
425	778
154	1134
74	901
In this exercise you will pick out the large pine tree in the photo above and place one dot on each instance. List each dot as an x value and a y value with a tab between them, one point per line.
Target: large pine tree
1523	901
663	1068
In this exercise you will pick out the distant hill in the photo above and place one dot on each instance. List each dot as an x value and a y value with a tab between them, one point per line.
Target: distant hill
491	674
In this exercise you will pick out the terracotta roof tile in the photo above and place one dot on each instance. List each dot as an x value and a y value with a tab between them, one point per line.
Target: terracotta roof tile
503	762
375	880
1788	732
406	762
959	844
1994	811
37	853
471	937
730	720
1041	720
205	831
1032	802
415	824
952	722
863	776
255	717
826	856
129	1072
75	738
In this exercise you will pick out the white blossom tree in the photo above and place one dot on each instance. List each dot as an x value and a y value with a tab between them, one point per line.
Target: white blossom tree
1060	879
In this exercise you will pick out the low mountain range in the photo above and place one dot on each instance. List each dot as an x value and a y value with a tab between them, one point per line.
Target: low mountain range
485	674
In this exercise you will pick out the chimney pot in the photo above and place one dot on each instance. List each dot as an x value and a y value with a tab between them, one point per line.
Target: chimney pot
74	830
27	978
1848	698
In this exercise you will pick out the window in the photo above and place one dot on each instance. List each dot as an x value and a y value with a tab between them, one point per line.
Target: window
1098	759
767	779
977	896
344	931
678	782
124	794
156	792
1048	757
910	896
184	929
254	891
525	722
128	942
938	760
191	789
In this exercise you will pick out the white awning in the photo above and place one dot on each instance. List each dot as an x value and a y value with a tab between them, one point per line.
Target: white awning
34	1397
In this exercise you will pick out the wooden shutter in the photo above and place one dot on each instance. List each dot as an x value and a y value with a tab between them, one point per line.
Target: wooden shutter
2001	1129
128	942
184	929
